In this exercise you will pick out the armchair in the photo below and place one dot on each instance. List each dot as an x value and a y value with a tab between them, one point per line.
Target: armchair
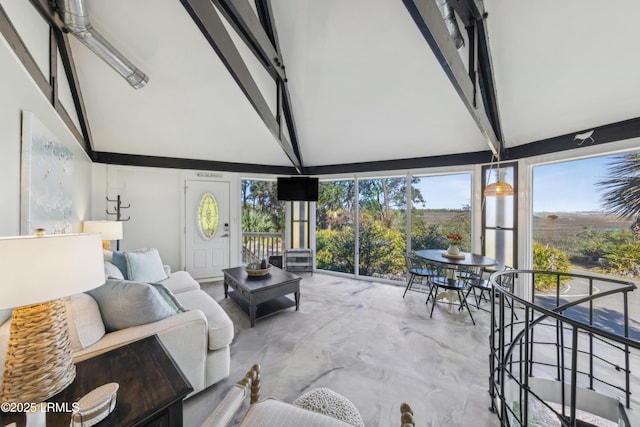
265	412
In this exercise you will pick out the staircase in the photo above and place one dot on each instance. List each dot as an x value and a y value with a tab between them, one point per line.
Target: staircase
562	359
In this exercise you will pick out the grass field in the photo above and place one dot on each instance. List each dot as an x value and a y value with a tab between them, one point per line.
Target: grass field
560	229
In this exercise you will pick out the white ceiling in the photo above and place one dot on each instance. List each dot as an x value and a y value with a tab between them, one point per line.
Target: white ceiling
562	66
364	84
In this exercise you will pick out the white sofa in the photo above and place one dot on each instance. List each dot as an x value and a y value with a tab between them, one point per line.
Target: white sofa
198	339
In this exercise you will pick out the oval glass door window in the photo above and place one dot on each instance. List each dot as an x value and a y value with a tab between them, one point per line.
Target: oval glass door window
208	216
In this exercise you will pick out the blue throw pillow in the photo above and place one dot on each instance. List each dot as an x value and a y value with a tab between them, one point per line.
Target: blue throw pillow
145	265
119	260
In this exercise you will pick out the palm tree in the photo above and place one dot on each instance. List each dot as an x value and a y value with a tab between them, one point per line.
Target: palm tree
622	189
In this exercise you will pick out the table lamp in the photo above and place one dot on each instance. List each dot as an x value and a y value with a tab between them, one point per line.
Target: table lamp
37	272
110	230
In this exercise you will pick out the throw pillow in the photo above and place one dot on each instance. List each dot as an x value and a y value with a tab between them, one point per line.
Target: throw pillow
112	272
124	304
145	265
330	403
84	321
118	259
169	298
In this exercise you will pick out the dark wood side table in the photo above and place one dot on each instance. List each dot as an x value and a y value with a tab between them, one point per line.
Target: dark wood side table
151	392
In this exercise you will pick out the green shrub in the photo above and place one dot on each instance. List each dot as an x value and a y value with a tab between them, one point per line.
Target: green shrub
549	259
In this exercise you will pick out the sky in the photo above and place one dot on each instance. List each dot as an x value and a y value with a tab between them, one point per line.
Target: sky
559	187
445	191
569	186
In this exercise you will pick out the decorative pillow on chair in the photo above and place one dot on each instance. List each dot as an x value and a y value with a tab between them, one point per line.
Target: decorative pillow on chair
145	265
124	304
328	402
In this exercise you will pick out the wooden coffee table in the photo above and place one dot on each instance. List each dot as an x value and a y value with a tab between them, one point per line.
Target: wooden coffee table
261	296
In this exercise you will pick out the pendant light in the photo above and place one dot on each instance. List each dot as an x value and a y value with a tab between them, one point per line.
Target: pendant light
498	188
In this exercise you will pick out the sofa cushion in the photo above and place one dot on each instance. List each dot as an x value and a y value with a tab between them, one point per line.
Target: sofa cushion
145	265
112	272
219	324
84	321
180	281
125	303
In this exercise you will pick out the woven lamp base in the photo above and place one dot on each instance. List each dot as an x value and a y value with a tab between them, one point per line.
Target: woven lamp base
39	360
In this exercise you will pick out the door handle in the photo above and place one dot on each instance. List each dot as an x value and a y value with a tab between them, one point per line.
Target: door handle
225	235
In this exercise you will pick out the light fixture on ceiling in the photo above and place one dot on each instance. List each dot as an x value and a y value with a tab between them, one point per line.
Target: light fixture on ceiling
498	188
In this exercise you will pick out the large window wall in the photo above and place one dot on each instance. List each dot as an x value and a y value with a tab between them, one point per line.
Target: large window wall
372	242
586	215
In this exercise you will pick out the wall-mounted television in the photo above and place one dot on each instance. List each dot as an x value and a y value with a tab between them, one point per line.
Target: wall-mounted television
298	188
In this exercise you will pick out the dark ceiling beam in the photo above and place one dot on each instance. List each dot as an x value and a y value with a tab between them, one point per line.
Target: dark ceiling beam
248	26
191	164
47	12
265	14
487	82
74	83
210	24
13	38
427	17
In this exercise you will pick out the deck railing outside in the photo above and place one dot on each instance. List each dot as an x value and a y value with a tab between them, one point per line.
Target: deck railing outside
258	246
566	357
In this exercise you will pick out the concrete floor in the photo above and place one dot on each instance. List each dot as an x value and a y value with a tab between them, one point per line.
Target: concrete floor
366	342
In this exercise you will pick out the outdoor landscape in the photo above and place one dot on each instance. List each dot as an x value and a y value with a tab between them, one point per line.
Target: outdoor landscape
586	217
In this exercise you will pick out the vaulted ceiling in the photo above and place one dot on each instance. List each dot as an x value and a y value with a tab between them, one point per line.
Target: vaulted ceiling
366	84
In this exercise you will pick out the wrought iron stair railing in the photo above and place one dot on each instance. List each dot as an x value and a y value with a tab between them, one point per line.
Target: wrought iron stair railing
562	359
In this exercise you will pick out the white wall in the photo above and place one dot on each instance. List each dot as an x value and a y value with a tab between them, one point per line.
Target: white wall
157	207
19	93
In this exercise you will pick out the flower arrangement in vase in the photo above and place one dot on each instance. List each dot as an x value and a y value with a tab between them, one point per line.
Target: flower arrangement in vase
454	240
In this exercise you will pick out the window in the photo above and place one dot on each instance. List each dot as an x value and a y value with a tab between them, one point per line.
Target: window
577	222
382	227
262	220
440	207
335	236
208	216
299	225
499	217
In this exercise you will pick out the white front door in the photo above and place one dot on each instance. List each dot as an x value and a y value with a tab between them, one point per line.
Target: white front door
207	228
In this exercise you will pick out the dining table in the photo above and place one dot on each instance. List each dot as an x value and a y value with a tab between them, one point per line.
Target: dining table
463	259
466	259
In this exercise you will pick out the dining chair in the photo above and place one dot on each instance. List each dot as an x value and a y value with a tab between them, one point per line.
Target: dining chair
481	287
452	281
419	272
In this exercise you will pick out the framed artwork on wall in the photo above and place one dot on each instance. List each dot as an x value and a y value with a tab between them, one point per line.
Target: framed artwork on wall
46	191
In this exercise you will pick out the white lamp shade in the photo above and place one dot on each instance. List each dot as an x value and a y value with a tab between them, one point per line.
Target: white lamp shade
110	230
40	269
